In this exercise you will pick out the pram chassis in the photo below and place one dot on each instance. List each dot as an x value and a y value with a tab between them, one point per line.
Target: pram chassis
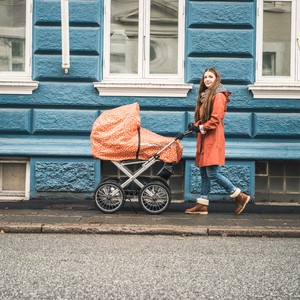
154	197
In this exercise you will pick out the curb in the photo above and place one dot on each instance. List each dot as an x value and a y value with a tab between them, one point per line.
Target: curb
124	229
20	228
255	232
149	230
102	229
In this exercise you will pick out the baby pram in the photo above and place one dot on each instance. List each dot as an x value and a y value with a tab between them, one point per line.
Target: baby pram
117	136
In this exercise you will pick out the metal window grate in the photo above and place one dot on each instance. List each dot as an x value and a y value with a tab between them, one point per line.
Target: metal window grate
14	180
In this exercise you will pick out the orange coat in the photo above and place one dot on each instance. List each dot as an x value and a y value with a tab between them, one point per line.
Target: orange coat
211	145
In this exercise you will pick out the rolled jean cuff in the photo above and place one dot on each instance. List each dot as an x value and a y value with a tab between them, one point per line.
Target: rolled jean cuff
235	193
203	201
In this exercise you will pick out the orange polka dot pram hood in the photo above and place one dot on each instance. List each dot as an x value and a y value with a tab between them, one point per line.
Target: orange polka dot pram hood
117	135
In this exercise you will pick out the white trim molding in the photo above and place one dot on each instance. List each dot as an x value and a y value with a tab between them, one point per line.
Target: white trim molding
126	49
281	85
143	89
18	87
275	90
20	82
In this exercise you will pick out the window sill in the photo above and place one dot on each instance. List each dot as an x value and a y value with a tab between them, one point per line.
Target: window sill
275	91
17	87
143	89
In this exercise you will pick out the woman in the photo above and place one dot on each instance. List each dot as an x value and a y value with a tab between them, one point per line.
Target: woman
210	110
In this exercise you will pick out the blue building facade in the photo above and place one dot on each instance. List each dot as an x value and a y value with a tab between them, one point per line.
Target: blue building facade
46	120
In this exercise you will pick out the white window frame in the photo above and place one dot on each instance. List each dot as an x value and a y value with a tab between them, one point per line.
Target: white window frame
21	82
14	195
143	84
278	87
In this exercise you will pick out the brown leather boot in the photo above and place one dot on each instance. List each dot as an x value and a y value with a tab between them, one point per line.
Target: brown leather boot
200	208
240	202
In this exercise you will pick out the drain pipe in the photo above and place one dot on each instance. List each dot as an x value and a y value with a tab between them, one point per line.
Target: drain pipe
65	35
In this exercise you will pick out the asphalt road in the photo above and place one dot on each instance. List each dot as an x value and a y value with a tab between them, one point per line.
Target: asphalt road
35	266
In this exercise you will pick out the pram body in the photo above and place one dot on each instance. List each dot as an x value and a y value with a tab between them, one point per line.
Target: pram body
117	136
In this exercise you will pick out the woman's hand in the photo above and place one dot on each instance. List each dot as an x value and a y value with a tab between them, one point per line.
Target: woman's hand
194	128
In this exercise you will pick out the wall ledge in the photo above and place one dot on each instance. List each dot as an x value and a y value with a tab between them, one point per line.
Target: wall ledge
80	146
18	87
143	89
275	90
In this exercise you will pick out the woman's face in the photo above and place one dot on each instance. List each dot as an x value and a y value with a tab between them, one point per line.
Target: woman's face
209	78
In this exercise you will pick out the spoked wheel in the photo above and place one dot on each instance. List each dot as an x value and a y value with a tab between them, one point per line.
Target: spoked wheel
109	196
155	198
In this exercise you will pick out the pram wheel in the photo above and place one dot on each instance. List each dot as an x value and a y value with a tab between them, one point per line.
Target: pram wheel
109	196
155	198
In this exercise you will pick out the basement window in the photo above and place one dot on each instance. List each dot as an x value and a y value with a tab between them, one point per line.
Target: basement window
277	182
14	180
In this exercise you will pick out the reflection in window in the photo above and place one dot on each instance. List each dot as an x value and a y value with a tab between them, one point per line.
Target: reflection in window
124	36
12	35
269	65
164	37
277	38
128	48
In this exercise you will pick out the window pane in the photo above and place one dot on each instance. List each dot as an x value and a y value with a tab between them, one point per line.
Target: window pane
13	177
276	185
163	37
277	38
292	169
276	169
12	35
293	185
124	36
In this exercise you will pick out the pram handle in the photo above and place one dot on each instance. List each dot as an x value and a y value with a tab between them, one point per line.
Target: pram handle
181	135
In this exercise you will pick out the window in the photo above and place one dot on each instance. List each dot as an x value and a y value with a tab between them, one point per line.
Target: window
278	50
277	181
15	47
143	48
14	180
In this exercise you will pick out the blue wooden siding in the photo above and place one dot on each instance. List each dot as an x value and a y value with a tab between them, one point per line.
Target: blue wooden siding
52	125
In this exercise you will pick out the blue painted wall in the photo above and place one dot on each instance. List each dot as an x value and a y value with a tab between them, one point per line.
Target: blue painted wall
52	125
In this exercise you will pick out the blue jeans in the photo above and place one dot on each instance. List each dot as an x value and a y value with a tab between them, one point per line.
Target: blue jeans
212	174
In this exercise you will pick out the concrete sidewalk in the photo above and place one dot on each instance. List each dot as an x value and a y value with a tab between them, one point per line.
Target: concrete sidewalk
40	216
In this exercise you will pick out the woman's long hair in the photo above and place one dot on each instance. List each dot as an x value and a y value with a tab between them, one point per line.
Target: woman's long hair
207	103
